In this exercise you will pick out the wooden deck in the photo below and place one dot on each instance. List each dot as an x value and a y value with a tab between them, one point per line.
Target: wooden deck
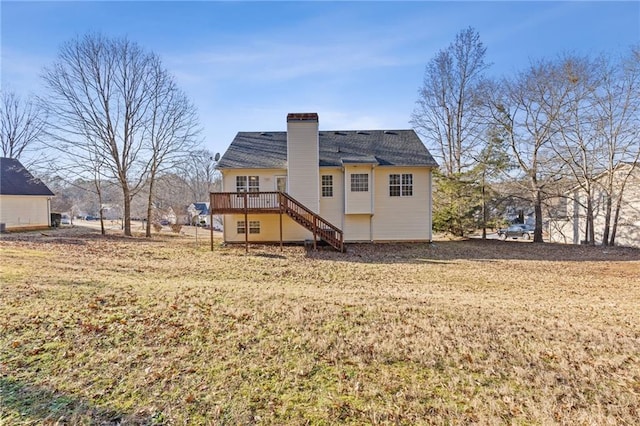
277	203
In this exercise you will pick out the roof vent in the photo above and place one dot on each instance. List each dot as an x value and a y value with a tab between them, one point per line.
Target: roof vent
360	132
390	132
265	134
340	133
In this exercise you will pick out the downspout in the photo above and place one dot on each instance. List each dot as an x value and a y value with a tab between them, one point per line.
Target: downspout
373	204
430	203
210	218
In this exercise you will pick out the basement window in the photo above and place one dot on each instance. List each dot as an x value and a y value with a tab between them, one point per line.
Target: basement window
254	227
401	185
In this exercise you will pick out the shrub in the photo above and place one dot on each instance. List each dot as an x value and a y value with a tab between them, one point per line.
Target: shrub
176	227
157	227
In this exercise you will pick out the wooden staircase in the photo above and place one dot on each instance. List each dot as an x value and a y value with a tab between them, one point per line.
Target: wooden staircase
278	202
320	227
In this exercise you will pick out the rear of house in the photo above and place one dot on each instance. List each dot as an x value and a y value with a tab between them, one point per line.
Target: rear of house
25	201
570	227
372	185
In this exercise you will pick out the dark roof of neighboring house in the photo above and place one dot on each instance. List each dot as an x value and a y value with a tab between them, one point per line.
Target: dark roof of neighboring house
203	208
268	150
16	180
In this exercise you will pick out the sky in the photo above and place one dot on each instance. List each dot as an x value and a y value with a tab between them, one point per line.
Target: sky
359	65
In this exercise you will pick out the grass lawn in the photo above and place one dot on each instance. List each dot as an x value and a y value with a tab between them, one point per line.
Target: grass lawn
109	330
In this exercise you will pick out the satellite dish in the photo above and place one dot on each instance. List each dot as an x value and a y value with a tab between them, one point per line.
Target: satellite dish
217	157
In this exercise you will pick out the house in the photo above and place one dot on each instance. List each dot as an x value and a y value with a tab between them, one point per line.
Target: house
199	213
570	226
25	201
336	186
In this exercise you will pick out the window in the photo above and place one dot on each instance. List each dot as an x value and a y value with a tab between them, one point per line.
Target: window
247	183
359	182
241	184
281	183
327	185
254	183
254	227
401	185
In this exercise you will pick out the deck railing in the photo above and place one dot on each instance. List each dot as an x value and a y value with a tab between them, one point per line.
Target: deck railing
236	202
278	202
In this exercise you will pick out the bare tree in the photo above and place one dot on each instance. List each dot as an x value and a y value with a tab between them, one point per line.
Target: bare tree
201	175
21	124
527	108
102	98
598	133
575	143
448	112
617	109
171	131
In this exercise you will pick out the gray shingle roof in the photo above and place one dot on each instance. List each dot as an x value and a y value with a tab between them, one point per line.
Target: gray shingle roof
268	150
16	180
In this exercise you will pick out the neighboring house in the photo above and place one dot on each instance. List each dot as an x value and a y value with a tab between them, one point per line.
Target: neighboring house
25	202
337	186
199	213
570	228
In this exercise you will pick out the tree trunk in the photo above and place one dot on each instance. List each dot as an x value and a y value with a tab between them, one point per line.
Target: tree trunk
127	210
607	220
484	212
102	230
149	209
616	217
589	231
537	233
99	193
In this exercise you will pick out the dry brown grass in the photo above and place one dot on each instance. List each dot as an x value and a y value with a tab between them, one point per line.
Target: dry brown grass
107	330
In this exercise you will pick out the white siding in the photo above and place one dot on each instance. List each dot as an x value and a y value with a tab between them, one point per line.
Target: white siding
302	163
24	211
267	178
358	202
332	208
573	228
402	218
357	227
394	218
269	229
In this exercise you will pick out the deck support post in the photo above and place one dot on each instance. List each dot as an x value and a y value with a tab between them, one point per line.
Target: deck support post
276	202
315	233
211	218
280	226
246	224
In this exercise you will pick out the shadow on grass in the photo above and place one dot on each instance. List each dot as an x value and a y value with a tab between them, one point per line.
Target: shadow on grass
270	255
80	235
475	250
26	404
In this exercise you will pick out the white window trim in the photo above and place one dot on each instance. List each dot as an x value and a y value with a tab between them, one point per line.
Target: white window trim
328	186
365	182
401	186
